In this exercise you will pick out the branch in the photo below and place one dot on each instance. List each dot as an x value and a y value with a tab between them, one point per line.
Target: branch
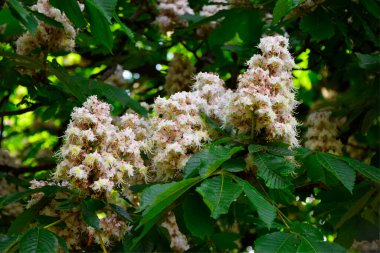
22	111
24	169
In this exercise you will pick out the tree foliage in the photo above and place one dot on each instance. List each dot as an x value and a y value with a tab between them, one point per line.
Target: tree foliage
237	190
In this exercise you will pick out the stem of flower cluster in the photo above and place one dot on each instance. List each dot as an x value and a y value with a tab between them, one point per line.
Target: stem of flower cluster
253	126
102	243
56	222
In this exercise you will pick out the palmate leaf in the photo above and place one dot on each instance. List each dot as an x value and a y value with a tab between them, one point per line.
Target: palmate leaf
218	193
7	242
369	171
208	160
88	210
283	7
99	25
121	212
276	243
159	202
273	170
318	25
24	15
197	217
309	245
106	8
38	240
267	211
72	11
340	169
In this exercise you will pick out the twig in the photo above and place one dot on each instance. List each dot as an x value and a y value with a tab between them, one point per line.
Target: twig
24	169
22	111
1	129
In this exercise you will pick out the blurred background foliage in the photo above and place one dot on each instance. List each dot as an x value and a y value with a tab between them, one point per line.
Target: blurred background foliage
335	44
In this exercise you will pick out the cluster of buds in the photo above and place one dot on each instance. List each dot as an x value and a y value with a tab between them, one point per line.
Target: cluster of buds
170	12
48	37
97	155
265	100
322	133
180	73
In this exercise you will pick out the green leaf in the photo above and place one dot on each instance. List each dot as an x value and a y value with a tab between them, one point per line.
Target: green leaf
72	10
253	148
234	165
218	193
283	7
318	25
276	242
208	160
309	245
159	202
279	149
340	169
372	7
88	209
307	230
355	208
7	242
22	221
121	212
225	240
24	15
368	61
124	28
273	169
266	210
48	189
38	240
99	25
105	7
150	194
62	243
368	171
197	220
47	19
113	93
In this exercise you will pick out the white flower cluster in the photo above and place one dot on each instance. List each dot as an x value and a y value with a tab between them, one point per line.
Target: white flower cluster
74	228
216	97
48	37
265	96
178	241
112	229
170	12
322	133
97	155
178	132
180	73
208	10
